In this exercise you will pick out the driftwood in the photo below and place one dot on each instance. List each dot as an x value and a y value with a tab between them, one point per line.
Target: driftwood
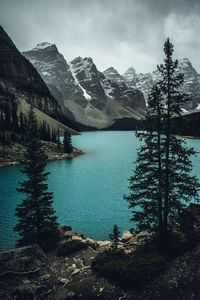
8	273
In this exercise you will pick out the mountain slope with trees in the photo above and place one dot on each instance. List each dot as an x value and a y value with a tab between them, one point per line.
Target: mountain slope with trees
21	85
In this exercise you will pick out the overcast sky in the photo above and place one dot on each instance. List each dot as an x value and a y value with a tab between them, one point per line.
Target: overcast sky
118	33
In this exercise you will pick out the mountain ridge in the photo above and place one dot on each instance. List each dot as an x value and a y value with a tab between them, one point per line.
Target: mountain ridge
145	81
91	98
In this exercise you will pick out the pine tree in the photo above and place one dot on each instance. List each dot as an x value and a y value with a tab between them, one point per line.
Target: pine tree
115	237
179	185
146	183
15	125
53	136
67	142
37	221
7	120
162	182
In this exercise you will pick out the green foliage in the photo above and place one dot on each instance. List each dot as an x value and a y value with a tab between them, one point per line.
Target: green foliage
162	182
129	271
115	236
71	247
12	127
36	216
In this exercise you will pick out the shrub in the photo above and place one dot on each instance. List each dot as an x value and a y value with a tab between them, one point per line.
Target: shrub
129	271
71	247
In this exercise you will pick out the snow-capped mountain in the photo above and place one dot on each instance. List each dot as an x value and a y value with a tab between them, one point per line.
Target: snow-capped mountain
84	93
55	72
144	82
87	77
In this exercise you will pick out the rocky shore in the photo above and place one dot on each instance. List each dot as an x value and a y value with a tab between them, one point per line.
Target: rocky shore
11	155
28	273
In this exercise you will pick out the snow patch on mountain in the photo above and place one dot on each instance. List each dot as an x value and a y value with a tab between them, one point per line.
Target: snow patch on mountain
85	94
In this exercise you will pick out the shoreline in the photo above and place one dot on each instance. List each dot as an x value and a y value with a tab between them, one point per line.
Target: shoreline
187	136
51	157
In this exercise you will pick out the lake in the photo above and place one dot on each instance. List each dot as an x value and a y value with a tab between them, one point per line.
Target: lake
88	190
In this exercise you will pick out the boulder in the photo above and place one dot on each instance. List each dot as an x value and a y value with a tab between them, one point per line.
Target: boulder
77	238
126	235
91	242
23	259
70	234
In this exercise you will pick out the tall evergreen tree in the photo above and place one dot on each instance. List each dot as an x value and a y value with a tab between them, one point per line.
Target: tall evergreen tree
179	185
21	122
15	125
7	119
37	221
114	236
162	182
67	142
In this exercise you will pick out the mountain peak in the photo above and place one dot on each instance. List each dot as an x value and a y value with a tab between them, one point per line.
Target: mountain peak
110	70
130	70
43	46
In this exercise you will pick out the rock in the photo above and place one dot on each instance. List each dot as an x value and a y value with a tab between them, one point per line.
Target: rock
75	272
77	238
91	242
104	244
70	234
64	280
101	290
128	251
126	235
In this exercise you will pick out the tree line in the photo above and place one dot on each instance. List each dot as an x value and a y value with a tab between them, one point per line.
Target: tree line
13	129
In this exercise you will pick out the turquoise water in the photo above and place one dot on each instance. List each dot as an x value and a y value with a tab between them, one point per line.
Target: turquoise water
88	190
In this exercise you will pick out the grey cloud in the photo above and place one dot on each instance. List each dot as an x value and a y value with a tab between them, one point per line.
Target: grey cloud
114	32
